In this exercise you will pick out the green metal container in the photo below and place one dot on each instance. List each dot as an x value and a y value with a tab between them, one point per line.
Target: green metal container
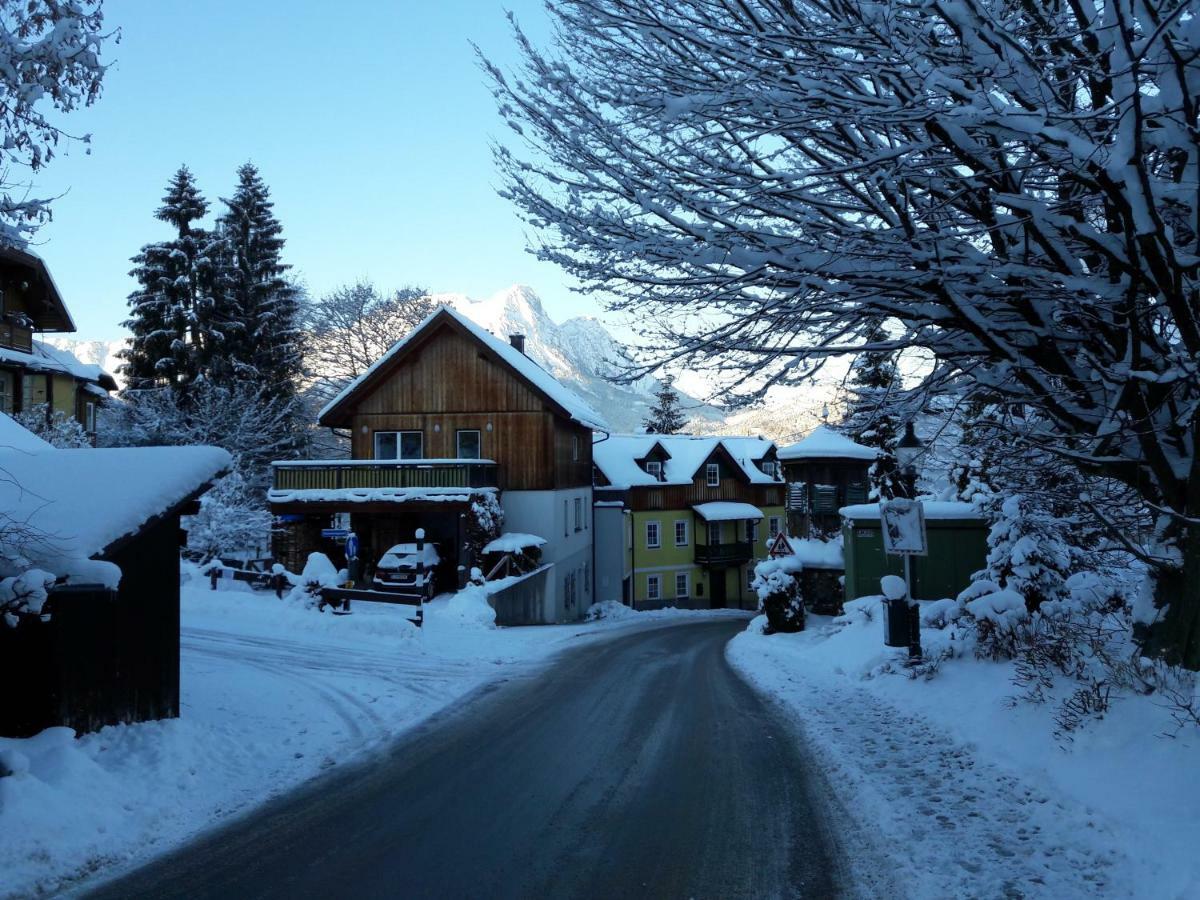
957	549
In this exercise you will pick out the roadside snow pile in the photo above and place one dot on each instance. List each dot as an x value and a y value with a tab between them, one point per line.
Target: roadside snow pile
468	608
1001	798
819	554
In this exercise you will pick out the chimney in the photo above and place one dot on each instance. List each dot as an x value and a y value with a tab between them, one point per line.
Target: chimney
518	341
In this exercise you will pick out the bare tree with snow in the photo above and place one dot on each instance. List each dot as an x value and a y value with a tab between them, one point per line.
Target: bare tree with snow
49	63
1012	187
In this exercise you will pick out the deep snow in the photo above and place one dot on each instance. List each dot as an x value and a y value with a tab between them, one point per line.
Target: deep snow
272	694
969	795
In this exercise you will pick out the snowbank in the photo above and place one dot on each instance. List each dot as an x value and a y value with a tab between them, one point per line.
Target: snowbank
513	542
988	802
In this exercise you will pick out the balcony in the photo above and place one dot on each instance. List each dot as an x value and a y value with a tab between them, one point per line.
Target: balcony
723	554
333	474
16	336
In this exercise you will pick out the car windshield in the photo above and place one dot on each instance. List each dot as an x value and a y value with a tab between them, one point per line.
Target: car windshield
405	556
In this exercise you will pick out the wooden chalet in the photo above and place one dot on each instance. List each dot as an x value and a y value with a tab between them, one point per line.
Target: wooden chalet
34	374
824	472
450	419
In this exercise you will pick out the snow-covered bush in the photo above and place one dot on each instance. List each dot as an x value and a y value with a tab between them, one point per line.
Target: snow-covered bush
1028	552
54	426
779	595
24	594
484	524
468	608
319	573
233	521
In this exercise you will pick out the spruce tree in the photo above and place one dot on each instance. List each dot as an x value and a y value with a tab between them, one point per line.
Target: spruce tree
871	419
260	308
665	417
170	312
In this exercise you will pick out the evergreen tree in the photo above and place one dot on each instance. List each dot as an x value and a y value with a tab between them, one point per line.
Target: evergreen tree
665	417
170	310
872	419
260	308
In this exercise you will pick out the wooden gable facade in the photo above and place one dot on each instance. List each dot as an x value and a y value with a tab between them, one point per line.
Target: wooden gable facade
445	381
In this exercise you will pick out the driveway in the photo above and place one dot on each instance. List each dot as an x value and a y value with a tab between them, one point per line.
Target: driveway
637	767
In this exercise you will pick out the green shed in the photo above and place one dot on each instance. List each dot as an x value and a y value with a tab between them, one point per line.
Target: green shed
957	549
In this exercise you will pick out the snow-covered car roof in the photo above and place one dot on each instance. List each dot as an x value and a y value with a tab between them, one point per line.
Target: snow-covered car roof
402	555
575	406
825	443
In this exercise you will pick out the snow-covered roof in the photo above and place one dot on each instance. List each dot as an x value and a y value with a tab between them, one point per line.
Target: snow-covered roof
44	358
727	511
513	542
576	407
377	495
934	509
80	502
617	457
825	443
14	436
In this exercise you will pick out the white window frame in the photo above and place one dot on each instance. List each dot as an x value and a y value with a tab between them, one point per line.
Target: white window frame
89	417
653	587
399	444
458	442
687	586
684	523
657	535
773	524
712	475
575	447
751	531
709	535
578	514
654	467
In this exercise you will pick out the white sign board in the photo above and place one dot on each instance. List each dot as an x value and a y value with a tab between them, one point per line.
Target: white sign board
903	528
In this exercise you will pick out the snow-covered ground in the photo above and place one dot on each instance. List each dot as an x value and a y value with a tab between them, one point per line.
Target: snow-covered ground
968	795
272	694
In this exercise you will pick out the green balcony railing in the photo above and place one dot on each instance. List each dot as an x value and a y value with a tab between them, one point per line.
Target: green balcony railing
723	554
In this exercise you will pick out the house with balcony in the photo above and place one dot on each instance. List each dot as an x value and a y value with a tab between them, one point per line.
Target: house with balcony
34	375
451	424
682	519
824	472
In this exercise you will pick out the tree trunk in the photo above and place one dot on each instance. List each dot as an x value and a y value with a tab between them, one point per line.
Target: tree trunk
1175	636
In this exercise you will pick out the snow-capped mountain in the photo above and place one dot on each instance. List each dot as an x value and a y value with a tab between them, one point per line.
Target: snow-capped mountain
579	352
95	353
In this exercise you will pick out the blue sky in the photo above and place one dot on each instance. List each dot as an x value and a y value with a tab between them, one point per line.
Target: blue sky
369	119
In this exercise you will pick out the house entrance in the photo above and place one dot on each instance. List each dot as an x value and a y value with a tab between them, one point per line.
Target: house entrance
716	580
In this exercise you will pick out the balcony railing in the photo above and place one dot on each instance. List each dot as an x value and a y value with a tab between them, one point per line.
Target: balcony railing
723	554
16	336
352	473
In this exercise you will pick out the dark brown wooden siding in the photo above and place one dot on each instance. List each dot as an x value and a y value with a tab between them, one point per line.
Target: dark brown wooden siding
685	496
448	384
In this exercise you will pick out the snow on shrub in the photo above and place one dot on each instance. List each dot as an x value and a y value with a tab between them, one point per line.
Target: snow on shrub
1002	608
24	594
779	595
319	573
1028	552
940	613
609	609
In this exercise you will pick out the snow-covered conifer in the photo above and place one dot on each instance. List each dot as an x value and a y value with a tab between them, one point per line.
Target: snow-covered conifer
874	388
665	417
1028	552
171	311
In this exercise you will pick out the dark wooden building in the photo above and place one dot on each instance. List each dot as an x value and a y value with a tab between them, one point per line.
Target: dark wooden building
824	472
103	648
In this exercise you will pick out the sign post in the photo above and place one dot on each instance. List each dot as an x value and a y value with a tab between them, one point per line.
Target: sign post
903	522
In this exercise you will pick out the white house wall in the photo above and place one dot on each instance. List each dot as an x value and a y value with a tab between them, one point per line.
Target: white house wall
551	515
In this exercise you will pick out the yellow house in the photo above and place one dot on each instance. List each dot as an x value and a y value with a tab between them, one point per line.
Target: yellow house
32	373
683	518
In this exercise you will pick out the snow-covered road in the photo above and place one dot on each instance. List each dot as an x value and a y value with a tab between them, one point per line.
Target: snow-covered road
272	694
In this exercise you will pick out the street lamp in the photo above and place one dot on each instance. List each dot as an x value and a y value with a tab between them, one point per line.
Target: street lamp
908	451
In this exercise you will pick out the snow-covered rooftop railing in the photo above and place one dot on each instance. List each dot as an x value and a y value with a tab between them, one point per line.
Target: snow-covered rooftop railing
377	494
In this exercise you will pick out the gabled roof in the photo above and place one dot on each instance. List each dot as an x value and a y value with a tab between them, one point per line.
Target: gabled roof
44	358
566	401
52	314
825	443
617	457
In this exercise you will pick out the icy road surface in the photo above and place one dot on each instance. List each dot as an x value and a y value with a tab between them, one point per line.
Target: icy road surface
638	767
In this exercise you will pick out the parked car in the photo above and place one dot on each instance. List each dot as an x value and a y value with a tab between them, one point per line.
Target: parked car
406	570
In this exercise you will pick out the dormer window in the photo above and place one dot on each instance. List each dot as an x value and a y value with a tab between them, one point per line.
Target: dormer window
770	468
654	467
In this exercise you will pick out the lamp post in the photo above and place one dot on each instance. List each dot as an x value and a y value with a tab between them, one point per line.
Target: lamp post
908	451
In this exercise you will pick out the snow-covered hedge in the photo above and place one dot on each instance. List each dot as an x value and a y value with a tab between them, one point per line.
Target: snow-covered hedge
777	584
